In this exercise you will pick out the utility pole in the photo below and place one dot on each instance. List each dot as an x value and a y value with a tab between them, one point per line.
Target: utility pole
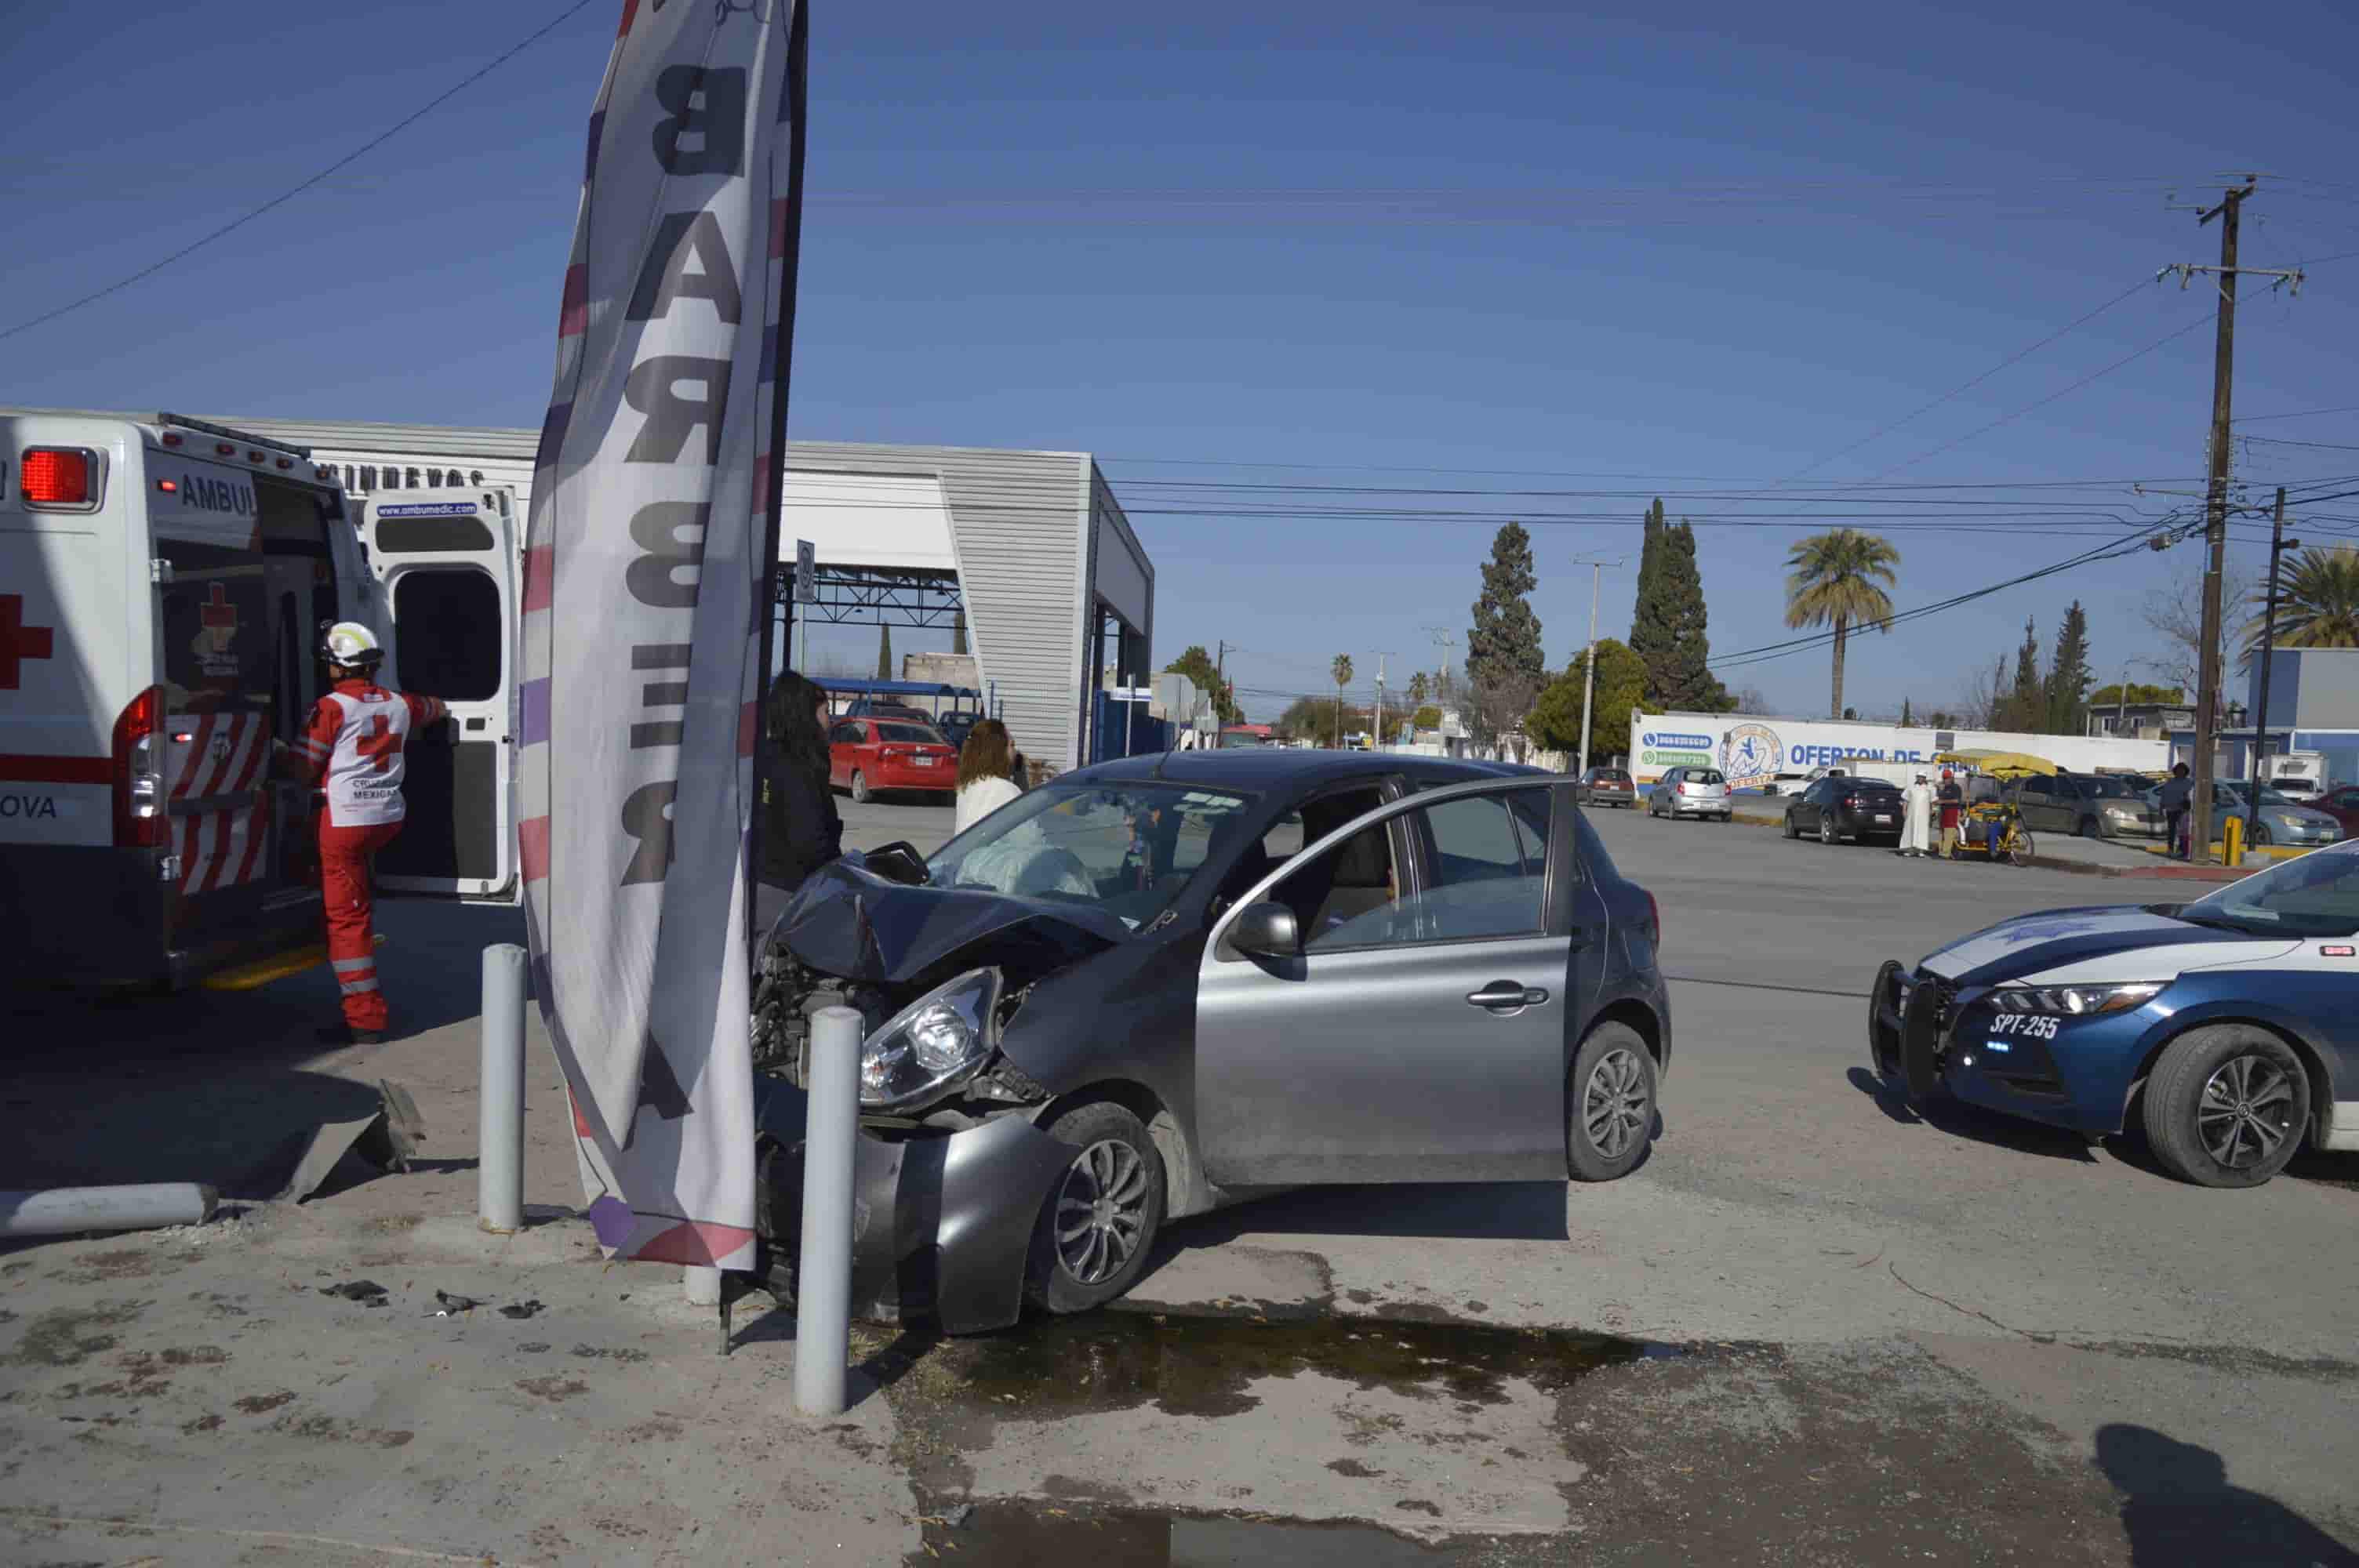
1382	655
1596	565
1220	680
1445	640
2279	546
2215	529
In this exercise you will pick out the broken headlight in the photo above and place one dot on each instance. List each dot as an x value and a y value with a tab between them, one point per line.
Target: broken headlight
931	1045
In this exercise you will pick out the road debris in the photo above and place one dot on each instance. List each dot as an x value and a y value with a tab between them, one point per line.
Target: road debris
521	1308
368	1293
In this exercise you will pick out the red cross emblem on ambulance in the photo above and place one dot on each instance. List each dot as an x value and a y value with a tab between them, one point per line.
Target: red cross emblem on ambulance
218	617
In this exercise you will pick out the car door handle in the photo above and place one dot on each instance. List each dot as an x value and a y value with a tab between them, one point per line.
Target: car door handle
1507	993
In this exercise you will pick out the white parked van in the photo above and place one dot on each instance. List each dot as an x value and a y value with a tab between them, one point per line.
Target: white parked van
162	585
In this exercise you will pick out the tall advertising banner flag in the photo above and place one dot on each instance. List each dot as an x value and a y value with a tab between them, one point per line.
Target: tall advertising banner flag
649	573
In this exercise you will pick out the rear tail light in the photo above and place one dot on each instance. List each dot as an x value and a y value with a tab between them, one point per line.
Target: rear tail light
60	476
139	803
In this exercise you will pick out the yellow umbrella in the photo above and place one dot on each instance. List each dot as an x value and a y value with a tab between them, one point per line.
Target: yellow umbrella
2001	764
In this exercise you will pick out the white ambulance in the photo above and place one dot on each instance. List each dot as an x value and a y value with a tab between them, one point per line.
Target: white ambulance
162	586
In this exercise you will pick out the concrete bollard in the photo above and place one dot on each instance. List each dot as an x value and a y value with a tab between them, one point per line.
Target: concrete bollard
61	1211
823	1281
499	1166
701	1285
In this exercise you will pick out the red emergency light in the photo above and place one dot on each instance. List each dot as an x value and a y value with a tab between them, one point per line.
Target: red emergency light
56	476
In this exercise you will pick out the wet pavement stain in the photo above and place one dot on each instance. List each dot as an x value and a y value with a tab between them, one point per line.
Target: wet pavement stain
1207	1366
1025	1534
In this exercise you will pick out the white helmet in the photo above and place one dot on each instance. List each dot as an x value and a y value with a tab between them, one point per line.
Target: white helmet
351	645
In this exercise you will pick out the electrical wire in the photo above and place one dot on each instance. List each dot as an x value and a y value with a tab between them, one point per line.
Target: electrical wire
284	197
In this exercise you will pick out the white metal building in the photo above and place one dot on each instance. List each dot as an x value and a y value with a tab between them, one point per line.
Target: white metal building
1055	584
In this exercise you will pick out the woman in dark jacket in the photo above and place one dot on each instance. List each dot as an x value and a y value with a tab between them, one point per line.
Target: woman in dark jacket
800	829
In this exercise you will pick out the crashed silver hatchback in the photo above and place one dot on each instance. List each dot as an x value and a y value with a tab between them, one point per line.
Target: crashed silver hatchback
1156	986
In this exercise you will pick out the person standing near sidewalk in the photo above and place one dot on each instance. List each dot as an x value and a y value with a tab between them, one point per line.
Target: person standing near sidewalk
1952	801
1917	829
2177	800
986	775
352	750
801	829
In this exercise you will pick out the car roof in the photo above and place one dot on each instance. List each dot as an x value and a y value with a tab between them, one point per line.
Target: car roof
1256	769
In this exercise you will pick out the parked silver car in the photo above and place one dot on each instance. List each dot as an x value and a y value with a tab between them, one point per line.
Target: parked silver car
1691	792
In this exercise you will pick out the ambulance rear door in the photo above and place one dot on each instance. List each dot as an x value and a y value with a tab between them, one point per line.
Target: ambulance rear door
447	572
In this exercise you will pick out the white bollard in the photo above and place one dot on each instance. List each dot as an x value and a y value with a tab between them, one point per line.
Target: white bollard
823	1281
701	1285
499	1163
61	1211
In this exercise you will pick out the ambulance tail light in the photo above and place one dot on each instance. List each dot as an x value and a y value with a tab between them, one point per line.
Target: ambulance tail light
61	477
139	801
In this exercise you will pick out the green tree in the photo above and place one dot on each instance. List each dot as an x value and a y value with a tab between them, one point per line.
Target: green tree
2068	676
1342	672
1417	689
1427	717
2318	603
1837	579
1197	666
1318	721
2139	692
1504	642
1908	716
883	653
1667	631
1557	721
2021	705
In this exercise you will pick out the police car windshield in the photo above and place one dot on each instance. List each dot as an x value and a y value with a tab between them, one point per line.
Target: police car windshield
2317	895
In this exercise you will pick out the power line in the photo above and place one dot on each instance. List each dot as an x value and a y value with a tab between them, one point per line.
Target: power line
288	195
2299	413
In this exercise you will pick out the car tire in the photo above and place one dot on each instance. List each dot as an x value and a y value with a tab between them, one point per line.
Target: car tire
2216	1096
2092	829
861	794
1114	1161
1827	834
1609	1105
1885	1063
2260	835
1791	832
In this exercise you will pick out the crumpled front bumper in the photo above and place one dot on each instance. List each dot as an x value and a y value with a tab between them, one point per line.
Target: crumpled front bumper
940	1221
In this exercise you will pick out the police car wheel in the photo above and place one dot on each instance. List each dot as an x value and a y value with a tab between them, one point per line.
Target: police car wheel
2227	1106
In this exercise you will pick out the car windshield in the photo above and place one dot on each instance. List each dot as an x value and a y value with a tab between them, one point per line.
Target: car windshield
919	734
2317	895
1127	848
2107	788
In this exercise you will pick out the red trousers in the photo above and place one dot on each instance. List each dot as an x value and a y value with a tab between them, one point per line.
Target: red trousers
345	854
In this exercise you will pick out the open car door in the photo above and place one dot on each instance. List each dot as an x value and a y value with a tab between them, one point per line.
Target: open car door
448	570
1421	1028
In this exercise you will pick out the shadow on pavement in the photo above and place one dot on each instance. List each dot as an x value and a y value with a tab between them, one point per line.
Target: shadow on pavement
1479	1211
203	1085
2178	1508
1972	1122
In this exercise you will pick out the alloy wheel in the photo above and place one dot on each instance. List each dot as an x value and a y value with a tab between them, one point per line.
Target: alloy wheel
2242	1114
1826	829
1101	1211
1613	1108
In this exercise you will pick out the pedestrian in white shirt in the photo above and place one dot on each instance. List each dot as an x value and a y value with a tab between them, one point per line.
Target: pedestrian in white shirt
1917	838
985	763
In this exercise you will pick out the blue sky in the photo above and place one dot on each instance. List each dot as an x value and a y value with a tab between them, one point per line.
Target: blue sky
1607	253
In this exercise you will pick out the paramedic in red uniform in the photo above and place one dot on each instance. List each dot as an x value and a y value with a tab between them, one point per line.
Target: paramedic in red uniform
351	748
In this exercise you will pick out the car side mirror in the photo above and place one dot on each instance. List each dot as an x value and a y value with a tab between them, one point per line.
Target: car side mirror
898	863
1267	930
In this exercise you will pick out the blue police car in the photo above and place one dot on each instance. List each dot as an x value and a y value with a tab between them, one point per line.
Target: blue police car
2229	1026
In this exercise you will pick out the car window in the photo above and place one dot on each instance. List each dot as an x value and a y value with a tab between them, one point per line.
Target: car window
1484	884
1129	849
1487	880
1706	776
2317	895
845	735
906	734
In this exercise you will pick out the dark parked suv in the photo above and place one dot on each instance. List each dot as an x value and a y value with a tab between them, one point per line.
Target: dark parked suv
1840	806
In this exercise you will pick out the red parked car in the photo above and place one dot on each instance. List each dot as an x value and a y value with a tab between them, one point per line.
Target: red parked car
866	755
2341	802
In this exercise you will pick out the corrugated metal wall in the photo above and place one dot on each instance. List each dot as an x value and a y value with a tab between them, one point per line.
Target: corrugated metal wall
1022	525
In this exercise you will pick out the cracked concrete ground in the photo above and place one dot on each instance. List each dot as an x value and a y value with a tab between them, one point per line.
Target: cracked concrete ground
1962	1341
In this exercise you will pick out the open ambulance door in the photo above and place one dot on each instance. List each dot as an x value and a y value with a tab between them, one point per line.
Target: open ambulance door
448	569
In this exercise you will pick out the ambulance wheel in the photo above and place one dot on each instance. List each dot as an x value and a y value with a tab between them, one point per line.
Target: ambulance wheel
861	793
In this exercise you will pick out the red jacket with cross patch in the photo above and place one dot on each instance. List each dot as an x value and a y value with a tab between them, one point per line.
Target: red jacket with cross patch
352	746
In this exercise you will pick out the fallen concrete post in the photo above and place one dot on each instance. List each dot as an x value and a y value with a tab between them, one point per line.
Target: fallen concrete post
824	1281
499	1163
60	1211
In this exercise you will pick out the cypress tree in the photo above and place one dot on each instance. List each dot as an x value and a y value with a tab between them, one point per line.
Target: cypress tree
1648	634
2068	676
2027	704
885	652
1504	642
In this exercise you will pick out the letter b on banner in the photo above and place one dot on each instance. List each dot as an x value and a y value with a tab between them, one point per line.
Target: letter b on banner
718	124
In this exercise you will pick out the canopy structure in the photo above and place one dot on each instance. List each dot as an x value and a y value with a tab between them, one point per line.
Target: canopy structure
2000	765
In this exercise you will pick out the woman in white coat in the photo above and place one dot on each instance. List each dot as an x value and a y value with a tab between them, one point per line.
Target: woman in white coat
985	763
1917	838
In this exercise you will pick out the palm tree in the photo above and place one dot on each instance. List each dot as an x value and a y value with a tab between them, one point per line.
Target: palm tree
1416	690
2318	603
1341	670
1831	579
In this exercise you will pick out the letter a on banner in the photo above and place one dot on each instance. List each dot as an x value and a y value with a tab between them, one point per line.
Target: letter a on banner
647	580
